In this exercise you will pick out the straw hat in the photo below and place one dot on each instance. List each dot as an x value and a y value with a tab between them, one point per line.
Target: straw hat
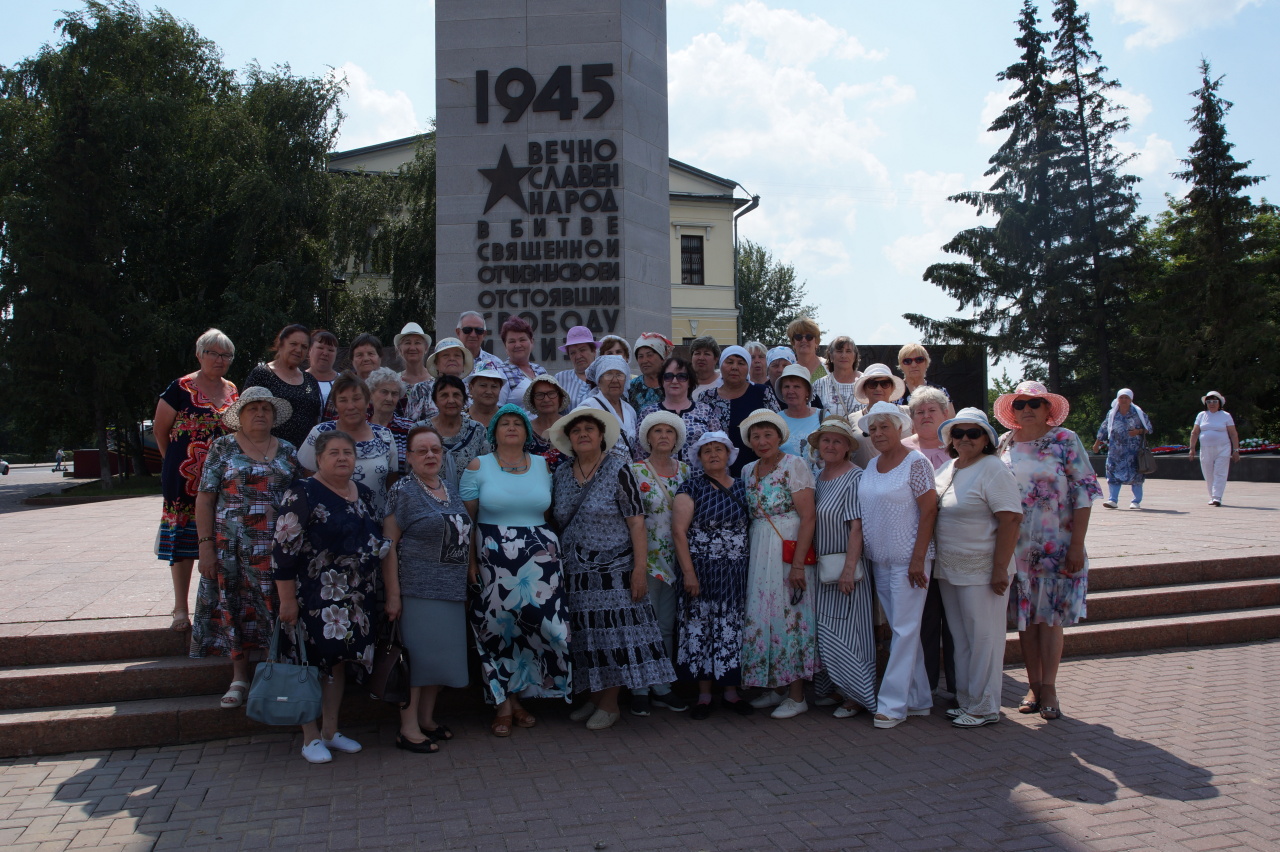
544	379
1222	400
559	438
658	418
468	360
257	393
890	408
764	415
878	371
1059	408
835	426
716	437
973	416
412	328
796	371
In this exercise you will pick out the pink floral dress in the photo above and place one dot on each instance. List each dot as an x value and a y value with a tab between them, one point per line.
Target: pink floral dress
1055	478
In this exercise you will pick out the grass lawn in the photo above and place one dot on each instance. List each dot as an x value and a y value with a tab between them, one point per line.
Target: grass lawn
134	486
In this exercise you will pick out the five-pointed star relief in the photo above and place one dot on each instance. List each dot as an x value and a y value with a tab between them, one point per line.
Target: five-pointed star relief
504	182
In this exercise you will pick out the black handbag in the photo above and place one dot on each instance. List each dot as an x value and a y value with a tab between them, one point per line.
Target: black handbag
284	693
389	680
1146	459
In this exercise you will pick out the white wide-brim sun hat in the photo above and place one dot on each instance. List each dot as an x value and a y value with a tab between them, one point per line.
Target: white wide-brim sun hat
893	410
558	433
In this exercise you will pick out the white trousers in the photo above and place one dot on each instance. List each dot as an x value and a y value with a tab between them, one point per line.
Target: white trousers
1215	464
906	684
977	629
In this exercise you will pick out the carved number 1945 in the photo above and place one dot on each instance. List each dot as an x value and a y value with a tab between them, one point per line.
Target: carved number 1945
556	94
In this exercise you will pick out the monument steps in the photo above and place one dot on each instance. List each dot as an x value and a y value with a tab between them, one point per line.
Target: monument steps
127	682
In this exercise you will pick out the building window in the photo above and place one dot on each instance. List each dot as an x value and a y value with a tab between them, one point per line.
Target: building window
691	260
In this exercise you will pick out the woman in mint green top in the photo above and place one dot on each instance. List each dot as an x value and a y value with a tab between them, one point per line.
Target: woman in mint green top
516	603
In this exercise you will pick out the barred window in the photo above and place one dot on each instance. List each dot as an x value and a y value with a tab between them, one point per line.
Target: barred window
691	260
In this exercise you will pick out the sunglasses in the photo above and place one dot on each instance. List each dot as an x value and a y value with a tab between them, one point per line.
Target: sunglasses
919	359
675	377
807	337
972	433
878	383
471	329
1033	404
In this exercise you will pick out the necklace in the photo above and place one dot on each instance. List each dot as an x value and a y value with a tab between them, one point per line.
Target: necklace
266	454
513	468
587	476
431	490
323	480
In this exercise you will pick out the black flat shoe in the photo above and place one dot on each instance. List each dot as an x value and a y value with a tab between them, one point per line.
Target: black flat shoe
439	732
742	707
427	746
700	712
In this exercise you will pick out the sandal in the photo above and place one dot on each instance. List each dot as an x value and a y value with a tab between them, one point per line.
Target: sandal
235	695
501	725
439	733
181	623
1029	706
1050	713
524	718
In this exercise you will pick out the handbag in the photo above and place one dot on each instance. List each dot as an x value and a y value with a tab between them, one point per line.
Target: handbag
1146	459
390	678
284	693
831	566
789	545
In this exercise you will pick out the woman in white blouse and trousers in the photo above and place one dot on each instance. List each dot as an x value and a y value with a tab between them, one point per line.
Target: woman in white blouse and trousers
979	516
1219	444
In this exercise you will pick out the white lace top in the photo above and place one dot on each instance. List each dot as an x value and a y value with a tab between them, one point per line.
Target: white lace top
890	516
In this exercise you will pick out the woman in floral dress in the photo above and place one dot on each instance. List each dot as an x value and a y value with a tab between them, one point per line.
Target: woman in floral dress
710	527
188	418
244	476
779	643
1058	488
1124	431
517	602
659	477
376	455
327	558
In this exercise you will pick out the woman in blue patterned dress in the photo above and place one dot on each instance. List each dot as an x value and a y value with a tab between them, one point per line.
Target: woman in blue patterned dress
244	476
376	455
710	527
678	385
1124	432
326	559
188	418
1058	489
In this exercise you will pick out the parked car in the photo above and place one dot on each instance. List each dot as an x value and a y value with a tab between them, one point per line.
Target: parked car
4	468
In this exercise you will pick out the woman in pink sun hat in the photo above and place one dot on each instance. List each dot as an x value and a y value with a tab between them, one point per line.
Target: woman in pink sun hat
1058	487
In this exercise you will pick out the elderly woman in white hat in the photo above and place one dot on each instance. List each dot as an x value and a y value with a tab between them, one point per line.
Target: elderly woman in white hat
614	636
779	644
1058	488
736	398
244	478
846	638
449	358
710	527
898	503
659	477
777	360
608	378
979	515
484	387
1124	432
1215	430
613	344
876	384
580	347
412	345
794	390
645	389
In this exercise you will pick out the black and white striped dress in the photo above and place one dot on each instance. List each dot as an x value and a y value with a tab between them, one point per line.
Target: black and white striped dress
846	641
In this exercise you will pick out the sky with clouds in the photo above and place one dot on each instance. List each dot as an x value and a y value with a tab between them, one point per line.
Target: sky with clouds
852	120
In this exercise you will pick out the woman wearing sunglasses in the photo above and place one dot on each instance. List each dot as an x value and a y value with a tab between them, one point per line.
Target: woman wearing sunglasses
805	337
913	361
876	384
979	515
678	384
1058	488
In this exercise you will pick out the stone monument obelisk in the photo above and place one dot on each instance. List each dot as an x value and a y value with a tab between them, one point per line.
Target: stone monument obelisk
552	166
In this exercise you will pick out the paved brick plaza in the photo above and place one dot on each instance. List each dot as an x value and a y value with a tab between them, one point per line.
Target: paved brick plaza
1168	750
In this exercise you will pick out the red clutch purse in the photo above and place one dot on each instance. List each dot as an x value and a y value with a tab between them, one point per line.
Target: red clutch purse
789	553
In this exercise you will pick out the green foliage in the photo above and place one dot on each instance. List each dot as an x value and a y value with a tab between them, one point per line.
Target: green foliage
769	297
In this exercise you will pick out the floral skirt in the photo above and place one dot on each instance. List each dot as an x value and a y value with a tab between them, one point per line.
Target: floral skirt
710	644
779	642
338	614
178	536
235	611
1047	598
616	641
518	618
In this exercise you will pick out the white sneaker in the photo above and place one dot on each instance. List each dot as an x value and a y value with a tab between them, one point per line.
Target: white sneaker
1110	504
967	721
768	699
789	708
583	713
1135	505
346	745
316	752
843	712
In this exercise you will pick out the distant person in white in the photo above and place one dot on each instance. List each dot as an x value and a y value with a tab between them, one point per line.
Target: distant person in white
1219	444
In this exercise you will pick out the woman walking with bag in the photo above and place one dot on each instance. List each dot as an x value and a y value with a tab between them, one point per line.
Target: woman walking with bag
1125	433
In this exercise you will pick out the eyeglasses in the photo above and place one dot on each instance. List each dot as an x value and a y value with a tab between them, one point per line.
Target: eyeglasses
1033	404
221	356
878	383
471	329
807	337
918	359
675	377
972	433
547	395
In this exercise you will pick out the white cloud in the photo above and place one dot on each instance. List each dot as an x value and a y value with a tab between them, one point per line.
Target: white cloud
1163	21
942	219
792	38
1138	104
994	103
1155	159
373	115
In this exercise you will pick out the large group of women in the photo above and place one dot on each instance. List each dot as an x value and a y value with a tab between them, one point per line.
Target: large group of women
747	519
